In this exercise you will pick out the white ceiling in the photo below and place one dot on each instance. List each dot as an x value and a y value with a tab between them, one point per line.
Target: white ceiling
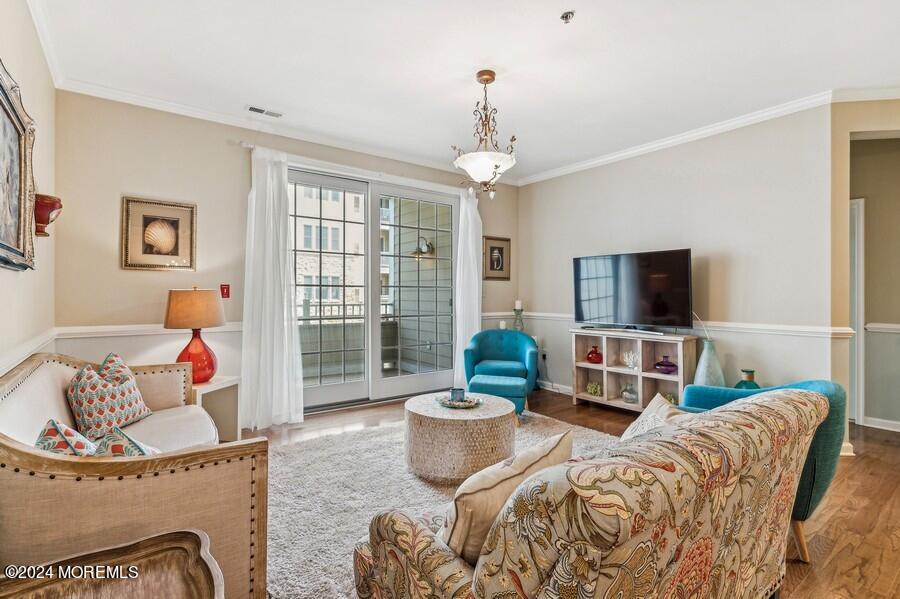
396	77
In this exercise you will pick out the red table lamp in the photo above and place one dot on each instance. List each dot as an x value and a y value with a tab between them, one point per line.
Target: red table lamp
196	309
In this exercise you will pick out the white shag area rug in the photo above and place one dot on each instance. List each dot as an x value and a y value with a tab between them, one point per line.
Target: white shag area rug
323	493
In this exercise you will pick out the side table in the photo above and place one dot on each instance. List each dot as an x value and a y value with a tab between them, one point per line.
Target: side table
219	397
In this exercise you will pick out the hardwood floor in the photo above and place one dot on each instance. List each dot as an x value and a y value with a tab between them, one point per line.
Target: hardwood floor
853	538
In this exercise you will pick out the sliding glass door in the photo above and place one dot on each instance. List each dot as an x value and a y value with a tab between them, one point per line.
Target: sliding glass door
412	339
374	272
330	249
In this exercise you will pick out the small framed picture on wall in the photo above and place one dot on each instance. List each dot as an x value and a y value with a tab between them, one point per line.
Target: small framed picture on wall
497	257
158	235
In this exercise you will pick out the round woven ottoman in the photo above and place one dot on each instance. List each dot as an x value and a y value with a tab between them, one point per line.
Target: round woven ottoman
447	445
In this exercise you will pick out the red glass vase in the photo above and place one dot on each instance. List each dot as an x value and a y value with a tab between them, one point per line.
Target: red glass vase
595	356
201	357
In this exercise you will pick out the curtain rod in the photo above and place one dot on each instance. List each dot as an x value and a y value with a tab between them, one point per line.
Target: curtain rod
334	169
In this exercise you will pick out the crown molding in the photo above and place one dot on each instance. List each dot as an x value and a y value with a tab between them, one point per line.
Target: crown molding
60	81
752	118
865	94
248	122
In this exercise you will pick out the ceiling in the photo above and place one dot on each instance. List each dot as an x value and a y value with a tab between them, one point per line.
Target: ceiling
396	77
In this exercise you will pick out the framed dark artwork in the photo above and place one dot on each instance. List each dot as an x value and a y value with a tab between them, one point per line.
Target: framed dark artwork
497	258
16	178
158	235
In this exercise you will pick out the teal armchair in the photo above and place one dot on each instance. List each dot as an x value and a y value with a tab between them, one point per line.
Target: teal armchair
503	363
822	458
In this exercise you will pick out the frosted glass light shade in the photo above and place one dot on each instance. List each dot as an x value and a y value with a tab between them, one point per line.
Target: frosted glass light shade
480	165
194	309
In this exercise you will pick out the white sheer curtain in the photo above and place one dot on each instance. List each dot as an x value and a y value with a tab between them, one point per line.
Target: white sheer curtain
467	298
271	389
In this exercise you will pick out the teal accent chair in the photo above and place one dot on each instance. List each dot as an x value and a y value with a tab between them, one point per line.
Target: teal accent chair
503	363
822	459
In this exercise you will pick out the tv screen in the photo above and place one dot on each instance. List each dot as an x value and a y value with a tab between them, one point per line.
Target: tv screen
645	289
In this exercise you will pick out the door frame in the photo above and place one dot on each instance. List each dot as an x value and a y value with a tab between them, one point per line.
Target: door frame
381	388
858	289
374	180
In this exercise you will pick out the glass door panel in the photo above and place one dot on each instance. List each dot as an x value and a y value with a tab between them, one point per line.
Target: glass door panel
414	332
329	219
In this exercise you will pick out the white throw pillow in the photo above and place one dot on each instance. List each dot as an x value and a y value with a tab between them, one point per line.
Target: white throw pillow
659	412
480	498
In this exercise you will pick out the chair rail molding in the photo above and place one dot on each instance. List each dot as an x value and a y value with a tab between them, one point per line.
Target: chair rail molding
882	327
791	330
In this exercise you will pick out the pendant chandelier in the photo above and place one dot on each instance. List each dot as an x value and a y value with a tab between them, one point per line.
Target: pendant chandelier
487	162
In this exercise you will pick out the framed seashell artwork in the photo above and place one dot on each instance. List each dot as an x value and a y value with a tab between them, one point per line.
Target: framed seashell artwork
158	235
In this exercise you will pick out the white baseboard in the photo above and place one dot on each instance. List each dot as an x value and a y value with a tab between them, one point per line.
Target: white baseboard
882	423
551	386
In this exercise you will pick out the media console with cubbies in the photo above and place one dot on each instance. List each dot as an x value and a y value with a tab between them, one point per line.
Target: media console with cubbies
613	374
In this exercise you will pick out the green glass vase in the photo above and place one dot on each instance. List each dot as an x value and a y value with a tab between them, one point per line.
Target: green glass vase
747	380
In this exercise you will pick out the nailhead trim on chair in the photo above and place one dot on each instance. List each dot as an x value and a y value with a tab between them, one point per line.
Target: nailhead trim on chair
183	371
187	468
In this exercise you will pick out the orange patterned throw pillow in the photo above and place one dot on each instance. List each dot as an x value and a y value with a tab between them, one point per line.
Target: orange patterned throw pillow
59	438
105	399
118	444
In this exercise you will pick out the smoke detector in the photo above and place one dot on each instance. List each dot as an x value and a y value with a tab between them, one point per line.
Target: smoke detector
567	17
264	112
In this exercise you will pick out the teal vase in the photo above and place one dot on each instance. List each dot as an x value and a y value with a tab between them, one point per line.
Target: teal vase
747	380
709	370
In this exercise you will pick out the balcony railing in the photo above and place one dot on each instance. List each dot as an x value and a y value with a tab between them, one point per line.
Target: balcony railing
315	309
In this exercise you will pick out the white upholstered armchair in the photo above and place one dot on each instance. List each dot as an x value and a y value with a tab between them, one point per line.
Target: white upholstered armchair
52	506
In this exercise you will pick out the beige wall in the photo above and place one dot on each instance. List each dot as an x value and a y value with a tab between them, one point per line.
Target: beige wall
875	176
106	149
27	297
752	204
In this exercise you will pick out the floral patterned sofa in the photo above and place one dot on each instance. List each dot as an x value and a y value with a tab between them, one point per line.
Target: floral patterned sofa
698	508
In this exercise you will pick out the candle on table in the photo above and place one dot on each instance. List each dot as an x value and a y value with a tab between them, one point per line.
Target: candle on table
518	304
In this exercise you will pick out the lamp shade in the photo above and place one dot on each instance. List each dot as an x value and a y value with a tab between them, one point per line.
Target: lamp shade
481	166
194	309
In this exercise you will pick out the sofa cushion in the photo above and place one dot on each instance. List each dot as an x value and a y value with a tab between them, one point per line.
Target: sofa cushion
480	498
504	386
119	444
62	439
657	414
175	428
104	399
501	368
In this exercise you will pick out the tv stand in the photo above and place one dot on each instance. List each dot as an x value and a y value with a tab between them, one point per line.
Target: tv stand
613	374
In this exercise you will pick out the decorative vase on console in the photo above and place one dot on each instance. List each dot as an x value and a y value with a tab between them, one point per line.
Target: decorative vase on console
748	379
709	370
666	366
518	323
595	356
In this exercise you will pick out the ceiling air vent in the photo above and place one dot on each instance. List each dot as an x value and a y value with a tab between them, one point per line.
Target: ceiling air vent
263	111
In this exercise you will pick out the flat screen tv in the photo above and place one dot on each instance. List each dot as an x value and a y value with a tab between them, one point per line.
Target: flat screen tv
647	289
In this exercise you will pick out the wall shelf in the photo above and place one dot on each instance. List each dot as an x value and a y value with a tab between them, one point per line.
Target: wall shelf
612	374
